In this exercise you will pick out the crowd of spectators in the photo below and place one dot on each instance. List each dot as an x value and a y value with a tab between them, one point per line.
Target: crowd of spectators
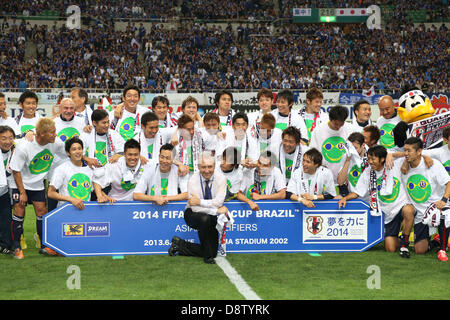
201	56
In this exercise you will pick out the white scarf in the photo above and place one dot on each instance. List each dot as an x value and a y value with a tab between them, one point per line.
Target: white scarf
157	144
316	185
197	145
92	144
130	175
3	181
386	189
172	187
282	158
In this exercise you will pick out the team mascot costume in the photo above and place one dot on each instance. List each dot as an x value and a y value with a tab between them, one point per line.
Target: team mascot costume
418	119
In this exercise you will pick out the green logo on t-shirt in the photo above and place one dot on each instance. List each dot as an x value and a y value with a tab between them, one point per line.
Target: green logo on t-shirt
41	162
26	127
253	189
447	166
418	188
354	174
100	152
127	128
67	133
79	186
288	164
387	136
333	149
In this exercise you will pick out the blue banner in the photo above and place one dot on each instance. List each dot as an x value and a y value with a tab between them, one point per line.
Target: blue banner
140	228
352	98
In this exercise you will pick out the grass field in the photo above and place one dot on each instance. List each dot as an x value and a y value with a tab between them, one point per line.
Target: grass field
276	276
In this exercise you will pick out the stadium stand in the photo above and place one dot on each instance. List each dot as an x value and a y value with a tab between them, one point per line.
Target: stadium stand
239	54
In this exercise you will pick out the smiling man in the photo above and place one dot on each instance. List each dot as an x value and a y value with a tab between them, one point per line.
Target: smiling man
383	190
30	163
387	121
207	189
26	121
428	189
126	117
160	183
362	113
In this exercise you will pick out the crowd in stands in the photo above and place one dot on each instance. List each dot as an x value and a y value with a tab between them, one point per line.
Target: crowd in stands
200	56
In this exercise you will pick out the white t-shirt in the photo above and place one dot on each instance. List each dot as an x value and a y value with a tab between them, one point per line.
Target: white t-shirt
26	124
10	122
130	124
441	154
67	129
293	119
272	144
313	120
234	180
270	184
85	116
320	182
73	181
288	163
331	144
247	146
168	183
103	146
389	204
150	147
386	135
34	161
123	180
425	186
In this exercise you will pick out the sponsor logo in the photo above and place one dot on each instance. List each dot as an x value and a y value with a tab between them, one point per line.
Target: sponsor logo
88	229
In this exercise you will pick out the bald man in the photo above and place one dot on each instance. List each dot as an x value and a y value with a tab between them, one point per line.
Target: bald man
387	121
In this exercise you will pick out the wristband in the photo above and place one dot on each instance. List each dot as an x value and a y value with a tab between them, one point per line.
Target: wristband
315	197
444	199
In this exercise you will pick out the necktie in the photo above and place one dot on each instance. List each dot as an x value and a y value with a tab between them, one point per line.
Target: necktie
207	190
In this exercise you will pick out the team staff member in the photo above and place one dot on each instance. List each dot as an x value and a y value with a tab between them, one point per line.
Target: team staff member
6	145
207	190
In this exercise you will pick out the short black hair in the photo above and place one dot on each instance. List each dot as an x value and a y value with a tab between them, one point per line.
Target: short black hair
99	115
131	144
161	99
3	129
446	132
184	119
71	141
239	115
374	132
82	94
314	155
356	136
286	94
147	117
232	155
221	93
293	132
377	151
358	104
339	113
28	94
416	142
131	87
166	146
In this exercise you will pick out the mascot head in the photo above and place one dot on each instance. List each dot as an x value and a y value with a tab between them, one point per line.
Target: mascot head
414	105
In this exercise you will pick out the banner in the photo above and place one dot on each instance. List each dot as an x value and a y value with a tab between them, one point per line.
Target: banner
430	130
140	228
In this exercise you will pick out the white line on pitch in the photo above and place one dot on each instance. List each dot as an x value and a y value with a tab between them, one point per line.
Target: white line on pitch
236	279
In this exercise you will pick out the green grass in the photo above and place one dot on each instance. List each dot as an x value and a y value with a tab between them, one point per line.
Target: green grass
273	276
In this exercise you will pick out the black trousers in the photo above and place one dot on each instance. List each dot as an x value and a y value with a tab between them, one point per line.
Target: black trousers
205	224
5	221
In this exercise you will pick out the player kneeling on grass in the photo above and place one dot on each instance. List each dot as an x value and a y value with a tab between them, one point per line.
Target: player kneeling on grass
428	189
72	178
311	181
160	182
384	192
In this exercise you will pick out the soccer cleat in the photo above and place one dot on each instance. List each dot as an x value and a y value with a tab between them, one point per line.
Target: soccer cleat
18	254
49	252
175	246
37	240
404	252
23	242
5	251
442	255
